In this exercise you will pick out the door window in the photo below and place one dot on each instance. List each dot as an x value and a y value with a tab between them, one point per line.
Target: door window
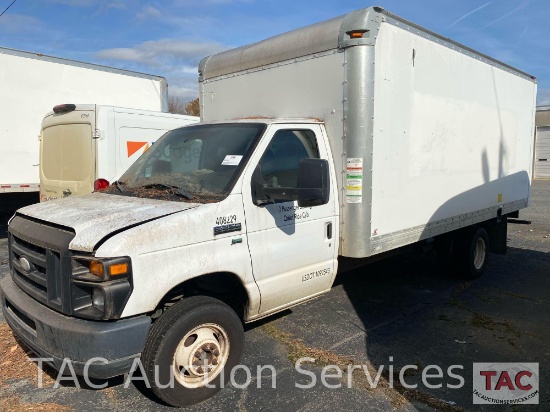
279	164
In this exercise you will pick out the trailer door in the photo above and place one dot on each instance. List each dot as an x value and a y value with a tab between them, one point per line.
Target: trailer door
542	153
67	155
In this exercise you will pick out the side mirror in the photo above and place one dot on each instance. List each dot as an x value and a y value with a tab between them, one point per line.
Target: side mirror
313	182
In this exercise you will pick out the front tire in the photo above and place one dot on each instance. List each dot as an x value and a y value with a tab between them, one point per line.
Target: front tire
195	343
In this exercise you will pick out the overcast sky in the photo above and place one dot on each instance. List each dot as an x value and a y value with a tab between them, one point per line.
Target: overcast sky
169	37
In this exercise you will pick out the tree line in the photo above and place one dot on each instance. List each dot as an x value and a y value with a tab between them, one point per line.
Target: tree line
177	106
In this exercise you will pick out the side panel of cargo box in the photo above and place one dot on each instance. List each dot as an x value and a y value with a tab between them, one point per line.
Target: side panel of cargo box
452	138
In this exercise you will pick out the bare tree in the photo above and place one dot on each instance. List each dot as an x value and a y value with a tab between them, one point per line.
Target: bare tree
192	108
177	106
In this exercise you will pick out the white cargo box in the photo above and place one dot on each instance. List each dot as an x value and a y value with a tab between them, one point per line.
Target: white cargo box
427	134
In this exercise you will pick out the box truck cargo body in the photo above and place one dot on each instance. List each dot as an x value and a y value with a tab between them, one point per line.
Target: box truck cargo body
86	147
353	137
31	84
430	134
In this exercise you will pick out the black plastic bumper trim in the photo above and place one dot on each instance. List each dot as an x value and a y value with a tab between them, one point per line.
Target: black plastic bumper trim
62	337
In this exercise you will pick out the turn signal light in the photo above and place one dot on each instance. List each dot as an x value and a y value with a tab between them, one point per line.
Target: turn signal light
118	269
96	268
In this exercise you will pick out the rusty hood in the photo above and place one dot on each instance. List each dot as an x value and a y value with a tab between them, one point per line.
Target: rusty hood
95	216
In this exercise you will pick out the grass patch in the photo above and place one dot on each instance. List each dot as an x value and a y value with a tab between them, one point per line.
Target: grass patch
482	321
15	363
11	403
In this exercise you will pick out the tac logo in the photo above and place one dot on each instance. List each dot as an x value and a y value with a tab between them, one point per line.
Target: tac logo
506	383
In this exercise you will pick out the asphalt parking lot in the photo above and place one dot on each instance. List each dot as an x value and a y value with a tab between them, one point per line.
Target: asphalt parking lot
396	312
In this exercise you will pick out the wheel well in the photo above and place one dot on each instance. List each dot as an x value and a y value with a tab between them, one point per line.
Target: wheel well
497	230
224	286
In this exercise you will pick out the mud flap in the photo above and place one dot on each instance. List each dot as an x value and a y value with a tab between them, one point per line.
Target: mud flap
497	230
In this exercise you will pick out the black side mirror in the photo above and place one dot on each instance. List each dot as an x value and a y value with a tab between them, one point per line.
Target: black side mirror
313	182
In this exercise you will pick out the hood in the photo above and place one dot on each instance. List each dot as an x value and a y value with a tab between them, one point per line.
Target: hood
94	216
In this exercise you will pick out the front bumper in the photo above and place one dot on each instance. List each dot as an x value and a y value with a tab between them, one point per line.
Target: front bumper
58	337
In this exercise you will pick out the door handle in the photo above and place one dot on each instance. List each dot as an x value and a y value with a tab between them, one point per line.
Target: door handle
329	230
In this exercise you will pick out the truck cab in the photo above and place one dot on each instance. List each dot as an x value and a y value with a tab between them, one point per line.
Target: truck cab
243	212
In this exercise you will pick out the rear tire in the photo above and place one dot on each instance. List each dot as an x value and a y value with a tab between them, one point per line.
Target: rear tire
473	253
198	341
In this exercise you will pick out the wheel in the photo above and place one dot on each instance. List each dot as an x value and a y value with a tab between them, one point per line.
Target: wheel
473	253
194	344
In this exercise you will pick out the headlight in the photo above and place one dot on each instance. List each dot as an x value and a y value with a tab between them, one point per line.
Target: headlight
101	269
100	286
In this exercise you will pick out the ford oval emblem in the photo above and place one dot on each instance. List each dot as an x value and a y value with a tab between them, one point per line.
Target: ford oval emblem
25	264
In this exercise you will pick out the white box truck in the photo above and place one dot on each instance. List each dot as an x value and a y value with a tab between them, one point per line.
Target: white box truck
85	147
357	136
31	84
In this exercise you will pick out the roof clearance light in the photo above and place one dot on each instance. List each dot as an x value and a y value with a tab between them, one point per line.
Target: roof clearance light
100	184
356	34
64	108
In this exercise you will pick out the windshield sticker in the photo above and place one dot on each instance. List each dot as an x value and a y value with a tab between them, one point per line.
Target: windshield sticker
232	160
354	180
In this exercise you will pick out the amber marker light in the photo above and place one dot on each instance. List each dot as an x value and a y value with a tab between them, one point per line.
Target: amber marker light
96	268
118	269
356	34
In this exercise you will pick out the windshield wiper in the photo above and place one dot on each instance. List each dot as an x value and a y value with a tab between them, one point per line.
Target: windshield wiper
175	189
119	186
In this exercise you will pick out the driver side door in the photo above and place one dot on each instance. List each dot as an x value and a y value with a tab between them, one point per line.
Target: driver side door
293	249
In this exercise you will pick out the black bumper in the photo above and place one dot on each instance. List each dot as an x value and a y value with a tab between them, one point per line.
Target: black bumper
57	337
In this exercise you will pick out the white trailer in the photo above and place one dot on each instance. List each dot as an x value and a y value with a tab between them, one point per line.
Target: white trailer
86	147
31	84
352	137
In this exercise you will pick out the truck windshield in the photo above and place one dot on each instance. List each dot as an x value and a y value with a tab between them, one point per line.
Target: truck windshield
194	163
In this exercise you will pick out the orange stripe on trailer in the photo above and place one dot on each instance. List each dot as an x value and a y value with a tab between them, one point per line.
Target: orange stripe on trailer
133	147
